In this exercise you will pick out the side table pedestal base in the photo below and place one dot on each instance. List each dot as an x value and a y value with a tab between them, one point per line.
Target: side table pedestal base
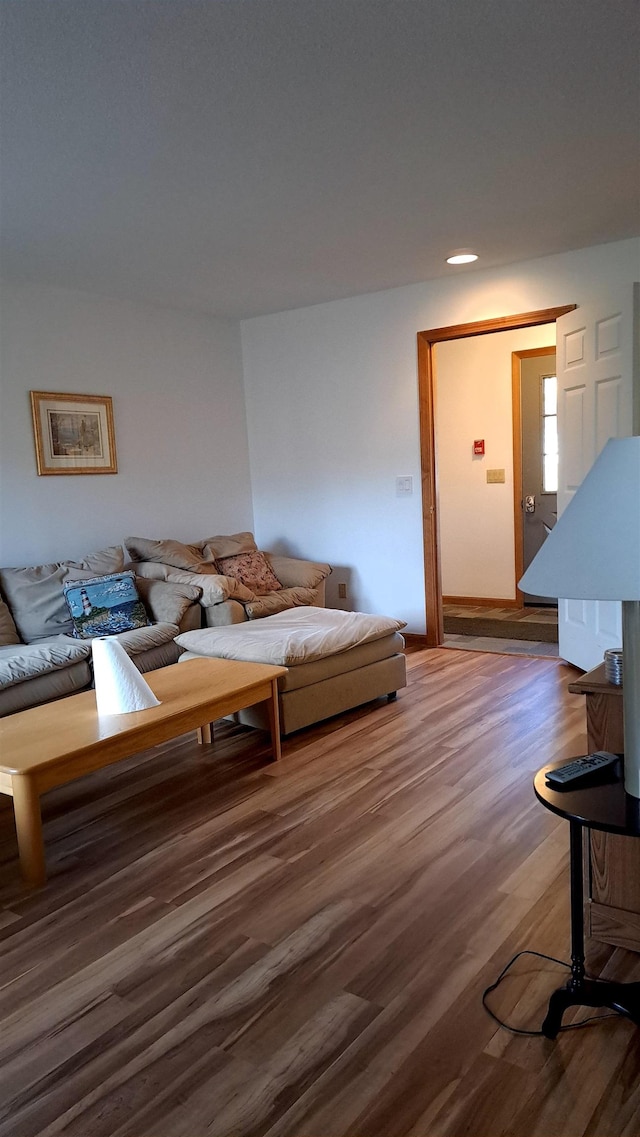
621	997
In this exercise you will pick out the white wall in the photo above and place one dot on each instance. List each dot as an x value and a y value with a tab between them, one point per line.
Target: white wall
176	383
332	410
473	400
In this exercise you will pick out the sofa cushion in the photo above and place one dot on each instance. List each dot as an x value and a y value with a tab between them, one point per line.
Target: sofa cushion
22	661
105	605
161	655
101	563
167	602
190	558
290	638
251	569
144	639
35	597
214	589
43	688
230	546
8	630
279	602
293	572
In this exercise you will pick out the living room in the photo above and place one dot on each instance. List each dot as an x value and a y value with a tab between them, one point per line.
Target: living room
293	419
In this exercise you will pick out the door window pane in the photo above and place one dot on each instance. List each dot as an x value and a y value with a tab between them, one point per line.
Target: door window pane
550	473
549	434
550	395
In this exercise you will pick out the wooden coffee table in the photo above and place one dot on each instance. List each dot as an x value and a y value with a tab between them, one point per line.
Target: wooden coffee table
50	745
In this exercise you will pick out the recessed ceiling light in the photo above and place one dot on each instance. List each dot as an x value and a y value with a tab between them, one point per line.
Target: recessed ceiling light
462	258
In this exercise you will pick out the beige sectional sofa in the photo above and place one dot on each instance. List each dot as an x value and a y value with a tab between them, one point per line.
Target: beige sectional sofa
181	586
228	599
40	659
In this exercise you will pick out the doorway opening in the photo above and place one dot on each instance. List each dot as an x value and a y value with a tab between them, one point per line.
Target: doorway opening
431	538
534	388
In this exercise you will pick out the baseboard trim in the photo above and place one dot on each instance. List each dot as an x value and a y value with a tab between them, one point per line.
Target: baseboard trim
480	601
413	639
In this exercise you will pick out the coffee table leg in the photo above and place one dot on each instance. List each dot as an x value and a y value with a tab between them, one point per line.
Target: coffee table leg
274	721
205	733
26	808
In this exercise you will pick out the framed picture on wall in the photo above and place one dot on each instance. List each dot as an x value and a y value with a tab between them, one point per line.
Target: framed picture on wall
73	433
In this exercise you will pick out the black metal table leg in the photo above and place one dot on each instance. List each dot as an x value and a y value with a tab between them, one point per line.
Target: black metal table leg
579	991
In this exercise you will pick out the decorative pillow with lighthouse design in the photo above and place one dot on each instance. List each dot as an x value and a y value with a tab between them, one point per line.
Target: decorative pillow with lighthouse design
105	605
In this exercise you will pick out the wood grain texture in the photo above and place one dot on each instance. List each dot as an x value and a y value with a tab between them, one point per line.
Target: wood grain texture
49	745
234	947
68	735
613	872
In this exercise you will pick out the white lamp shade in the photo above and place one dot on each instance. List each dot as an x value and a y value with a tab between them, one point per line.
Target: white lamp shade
593	553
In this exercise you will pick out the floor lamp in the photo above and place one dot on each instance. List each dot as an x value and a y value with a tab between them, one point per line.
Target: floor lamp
593	553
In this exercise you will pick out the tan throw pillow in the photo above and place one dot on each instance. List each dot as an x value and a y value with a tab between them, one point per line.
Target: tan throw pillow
295	573
190	558
251	569
230	546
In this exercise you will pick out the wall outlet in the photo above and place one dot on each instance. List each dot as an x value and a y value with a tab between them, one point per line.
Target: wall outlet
342	591
494	476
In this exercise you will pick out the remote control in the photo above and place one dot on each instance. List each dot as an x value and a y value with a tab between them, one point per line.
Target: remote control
579	769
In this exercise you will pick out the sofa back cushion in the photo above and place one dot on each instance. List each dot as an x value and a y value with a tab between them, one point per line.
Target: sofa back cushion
35	594
189	558
101	563
231	546
167	602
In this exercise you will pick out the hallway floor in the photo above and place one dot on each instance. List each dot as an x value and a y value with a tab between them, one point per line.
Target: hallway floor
502	646
511	631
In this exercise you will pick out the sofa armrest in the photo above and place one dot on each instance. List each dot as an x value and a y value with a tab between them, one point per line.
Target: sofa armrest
293	572
167	601
221	615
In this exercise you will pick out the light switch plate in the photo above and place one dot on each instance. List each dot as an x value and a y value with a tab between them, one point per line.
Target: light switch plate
494	476
404	486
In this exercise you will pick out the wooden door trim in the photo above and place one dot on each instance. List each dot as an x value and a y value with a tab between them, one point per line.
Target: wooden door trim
516	415
426	399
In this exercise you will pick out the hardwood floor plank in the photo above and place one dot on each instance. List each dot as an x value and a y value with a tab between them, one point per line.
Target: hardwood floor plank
232	947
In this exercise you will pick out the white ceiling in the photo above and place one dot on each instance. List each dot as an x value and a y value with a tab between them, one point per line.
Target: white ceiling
249	156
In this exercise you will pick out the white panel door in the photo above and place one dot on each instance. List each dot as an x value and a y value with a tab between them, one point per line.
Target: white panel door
595	367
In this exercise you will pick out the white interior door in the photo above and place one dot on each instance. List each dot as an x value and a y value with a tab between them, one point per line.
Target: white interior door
595	367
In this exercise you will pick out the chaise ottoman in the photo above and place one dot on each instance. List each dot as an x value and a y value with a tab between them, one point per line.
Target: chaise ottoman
335	660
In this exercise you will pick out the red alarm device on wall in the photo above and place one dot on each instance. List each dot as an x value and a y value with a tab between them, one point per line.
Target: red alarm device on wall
478	446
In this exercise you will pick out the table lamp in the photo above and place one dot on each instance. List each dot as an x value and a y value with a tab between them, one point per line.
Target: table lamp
593	553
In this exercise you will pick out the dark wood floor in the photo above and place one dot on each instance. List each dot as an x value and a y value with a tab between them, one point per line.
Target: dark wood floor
235	948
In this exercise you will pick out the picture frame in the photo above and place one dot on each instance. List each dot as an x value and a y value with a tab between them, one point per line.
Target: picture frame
73	434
